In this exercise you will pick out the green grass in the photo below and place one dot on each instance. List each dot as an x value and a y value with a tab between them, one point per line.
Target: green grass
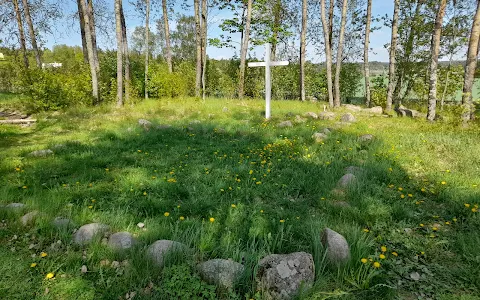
111	170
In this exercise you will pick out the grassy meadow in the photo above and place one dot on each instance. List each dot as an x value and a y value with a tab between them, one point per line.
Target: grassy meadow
229	184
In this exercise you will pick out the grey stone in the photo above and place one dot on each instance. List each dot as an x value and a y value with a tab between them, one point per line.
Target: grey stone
195	122
121	240
164	126
62	223
348	118
377	110
158	250
299	119
29	218
41	153
310	114
347	180
285	124
354	170
225	109
402	111
145	124
15	206
281	276
415	276
319	137
88	232
327	130
221	272
366	138
351	107
338	251
326	115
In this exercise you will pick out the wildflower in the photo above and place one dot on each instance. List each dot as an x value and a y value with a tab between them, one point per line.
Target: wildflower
376	265
261	211
390	169
402	196
24	187
258	182
400	189
391	186
222	190
364	260
172	180
454	219
447	223
423	189
251	172
384	249
33	265
182	218
382	256
282	221
410	195
139	151
233	205
106	170
43	254
394	253
17	169
422	253
366	230
467	205
212	220
434	228
49	276
90	206
421	225
444	182
474	209
93	200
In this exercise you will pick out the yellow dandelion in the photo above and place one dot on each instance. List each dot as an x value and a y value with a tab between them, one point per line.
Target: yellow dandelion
382	256
33	265
422	253
400	189
423	189
384	249
376	265
394	253
258	182
434	228
444	182
212	220
421	225
90	206
261	211
172	180
390	169
43	254
447	223
474	209
364	260
17	169
182	218
454	219
366	230
251	172
402	196
106	169
50	276
410	195
467	205
166	214
24	187
233	205
282	221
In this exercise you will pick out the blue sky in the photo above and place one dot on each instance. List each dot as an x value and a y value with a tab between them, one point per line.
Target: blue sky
67	32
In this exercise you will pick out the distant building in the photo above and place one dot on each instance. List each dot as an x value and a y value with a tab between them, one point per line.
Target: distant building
2	57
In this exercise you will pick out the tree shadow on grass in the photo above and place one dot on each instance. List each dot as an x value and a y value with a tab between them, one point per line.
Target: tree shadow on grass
242	195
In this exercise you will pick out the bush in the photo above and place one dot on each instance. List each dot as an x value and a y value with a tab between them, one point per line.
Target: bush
165	84
379	90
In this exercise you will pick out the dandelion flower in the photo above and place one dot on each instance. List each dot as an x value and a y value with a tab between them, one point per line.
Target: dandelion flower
410	195
166	214
212	220
400	189
444	182
384	249
258	182
233	205
33	265
182	218
282	221
434	228
50	276
467	205
366	230
251	172
474	209
394	253
90	206
43	254
421	225
402	196
454	219
261	211
24	187
447	223
382	256
376	265
364	260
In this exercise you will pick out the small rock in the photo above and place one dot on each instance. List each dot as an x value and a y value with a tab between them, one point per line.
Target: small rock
354	170
347	180
366	138
285	124
281	276
164	126
415	276
327	131
377	110
158	250
141	225
348	118
62	223
29	218
145	124
407	230
338	193
194	122
351	107
326	115
84	269
86	233
121	240
15	206
338	251
319	137
299	119
310	115
225	109
41	153
115	264
221	272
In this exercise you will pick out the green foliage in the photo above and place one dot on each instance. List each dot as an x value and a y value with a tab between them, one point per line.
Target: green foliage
162	83
350	80
379	90
180	282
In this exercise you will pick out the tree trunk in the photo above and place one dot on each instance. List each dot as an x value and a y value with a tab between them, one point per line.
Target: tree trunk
198	43
204	47
435	49
81	18
471	65
303	51
125	55
118	27
331	10
33	37
393	48
167	36
328	52
243	51
341	40
277	18
91	58
93	34
366	48
21	33
147	45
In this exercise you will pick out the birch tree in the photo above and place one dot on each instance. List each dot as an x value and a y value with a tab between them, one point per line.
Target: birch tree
204	46
118	29
365	53
21	33
393	47
125	55
435	49
147	36
303	50
81	19
341	40
328	51
168	49
33	37
91	58
198	48
244	49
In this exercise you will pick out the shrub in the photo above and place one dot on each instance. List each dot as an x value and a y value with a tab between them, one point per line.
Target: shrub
165	84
